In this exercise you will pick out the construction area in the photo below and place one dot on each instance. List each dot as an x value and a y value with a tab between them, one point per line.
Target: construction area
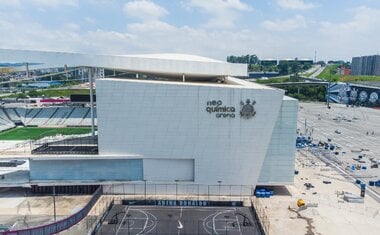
18	210
325	179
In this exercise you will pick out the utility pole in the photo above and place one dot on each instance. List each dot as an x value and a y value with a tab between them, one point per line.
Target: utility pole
315	56
176	191
145	190
328	94
305	127
219	182
27	70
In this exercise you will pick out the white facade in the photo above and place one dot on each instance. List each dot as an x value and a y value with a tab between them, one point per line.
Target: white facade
167	125
176	131
278	167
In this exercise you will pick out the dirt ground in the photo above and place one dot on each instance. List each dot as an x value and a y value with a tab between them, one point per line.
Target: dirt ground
22	211
332	215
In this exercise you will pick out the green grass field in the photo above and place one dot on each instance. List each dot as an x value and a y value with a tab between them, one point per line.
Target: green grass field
53	93
26	133
273	80
344	78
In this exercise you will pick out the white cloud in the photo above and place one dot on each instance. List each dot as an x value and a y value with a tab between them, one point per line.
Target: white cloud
358	36
144	10
223	13
71	26
297	22
220	5
10	3
55	3
89	20
150	26
295	4
366	20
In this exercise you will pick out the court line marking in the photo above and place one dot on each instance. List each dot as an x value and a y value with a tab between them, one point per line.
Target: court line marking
229	227
154	225
158	208
213	219
142	229
121	222
206	225
146	221
237	220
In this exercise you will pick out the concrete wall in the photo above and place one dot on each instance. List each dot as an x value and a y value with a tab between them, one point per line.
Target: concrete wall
169	169
168	120
86	169
278	167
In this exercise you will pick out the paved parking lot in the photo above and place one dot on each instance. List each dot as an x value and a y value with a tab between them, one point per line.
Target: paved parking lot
355	130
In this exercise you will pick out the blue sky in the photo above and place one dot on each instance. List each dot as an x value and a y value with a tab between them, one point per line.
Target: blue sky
337	29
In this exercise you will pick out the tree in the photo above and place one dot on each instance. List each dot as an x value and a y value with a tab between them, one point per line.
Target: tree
294	66
33	93
283	68
243	59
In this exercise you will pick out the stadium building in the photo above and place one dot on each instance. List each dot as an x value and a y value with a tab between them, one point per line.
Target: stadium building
192	122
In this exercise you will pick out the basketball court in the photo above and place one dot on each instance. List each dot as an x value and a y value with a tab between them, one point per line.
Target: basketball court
133	220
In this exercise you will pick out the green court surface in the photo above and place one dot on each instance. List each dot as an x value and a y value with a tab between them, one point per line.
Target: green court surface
26	133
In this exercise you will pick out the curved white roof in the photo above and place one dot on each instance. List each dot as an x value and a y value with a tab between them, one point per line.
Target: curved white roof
171	65
174	56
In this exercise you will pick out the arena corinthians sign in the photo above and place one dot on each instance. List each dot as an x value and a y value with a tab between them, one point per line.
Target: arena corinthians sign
222	111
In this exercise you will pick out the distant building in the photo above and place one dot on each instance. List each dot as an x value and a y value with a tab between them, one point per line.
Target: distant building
263	74
268	62
366	65
343	71
300	61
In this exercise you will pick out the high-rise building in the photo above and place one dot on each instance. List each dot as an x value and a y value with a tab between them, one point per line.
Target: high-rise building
366	65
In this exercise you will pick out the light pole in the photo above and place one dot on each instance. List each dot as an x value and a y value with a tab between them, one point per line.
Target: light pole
145	190
128	218
55	215
219	182
176	191
226	217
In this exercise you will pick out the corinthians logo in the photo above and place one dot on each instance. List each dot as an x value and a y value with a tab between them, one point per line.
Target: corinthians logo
247	110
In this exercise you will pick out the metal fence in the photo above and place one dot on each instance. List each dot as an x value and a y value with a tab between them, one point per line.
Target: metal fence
76	145
181	191
57	140
60	225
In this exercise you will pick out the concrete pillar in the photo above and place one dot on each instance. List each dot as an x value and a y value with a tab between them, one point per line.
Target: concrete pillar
90	75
